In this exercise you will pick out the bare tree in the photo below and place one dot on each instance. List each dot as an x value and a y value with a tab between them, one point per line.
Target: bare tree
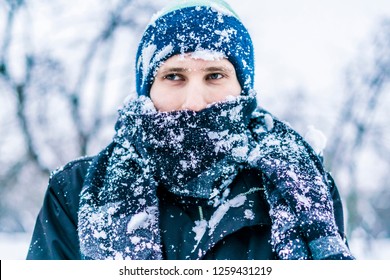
359	152
59	98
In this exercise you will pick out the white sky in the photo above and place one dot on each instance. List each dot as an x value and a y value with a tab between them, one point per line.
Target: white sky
306	42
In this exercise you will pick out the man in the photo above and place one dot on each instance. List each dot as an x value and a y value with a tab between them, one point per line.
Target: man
195	170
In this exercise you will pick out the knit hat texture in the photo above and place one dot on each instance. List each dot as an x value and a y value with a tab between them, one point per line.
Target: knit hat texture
210	29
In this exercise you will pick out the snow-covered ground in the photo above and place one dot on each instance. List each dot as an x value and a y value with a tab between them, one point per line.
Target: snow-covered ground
377	249
13	246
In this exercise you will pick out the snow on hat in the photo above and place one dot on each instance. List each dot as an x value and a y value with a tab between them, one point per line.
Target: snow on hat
208	28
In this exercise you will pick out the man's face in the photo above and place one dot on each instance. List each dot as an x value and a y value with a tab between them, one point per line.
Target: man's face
186	83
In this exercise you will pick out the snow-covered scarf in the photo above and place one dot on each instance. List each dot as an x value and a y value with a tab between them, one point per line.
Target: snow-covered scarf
297	190
198	155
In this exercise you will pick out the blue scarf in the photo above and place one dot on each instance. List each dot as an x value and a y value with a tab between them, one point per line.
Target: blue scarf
198	155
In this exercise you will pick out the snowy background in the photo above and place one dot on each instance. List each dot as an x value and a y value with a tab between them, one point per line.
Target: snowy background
66	66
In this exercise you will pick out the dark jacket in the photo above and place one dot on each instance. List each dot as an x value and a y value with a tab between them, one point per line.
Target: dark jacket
55	235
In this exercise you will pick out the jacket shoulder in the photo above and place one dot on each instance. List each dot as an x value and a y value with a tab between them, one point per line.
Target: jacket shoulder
55	231
65	183
337	204
72	166
72	172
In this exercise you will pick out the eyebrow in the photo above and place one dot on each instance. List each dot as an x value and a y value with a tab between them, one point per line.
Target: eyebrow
207	69
218	69
175	70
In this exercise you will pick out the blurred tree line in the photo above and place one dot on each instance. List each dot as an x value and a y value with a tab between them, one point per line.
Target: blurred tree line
359	152
59	94
358	148
59	90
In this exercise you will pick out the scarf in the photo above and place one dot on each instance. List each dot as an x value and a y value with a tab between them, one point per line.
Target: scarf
195	153
297	190
198	154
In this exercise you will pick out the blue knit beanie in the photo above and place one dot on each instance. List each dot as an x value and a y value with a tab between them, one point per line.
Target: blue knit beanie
188	26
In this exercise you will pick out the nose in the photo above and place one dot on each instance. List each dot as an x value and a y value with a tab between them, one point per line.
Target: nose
194	96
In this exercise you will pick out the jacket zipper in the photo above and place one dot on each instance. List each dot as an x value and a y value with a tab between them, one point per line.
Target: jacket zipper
201	217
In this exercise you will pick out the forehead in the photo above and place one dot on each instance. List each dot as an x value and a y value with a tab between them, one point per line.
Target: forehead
190	61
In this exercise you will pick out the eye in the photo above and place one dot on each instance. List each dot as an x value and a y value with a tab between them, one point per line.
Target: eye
215	76
173	77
